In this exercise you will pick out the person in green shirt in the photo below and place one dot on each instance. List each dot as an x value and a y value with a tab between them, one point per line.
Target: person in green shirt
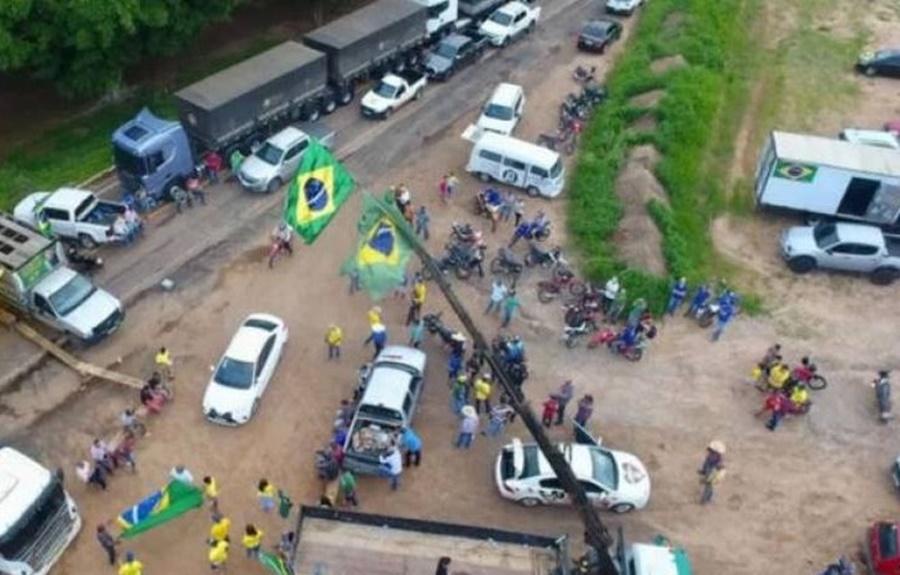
236	159
510	305
618	306
348	487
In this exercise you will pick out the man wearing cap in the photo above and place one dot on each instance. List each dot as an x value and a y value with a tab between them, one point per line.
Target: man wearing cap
467	427
482	389
713	470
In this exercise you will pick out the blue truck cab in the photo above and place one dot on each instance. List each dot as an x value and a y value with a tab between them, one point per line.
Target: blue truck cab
151	153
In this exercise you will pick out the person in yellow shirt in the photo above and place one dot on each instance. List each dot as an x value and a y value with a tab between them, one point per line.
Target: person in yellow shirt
131	566
374	315
419	291
164	363
266	494
220	528
779	375
211	492
252	540
799	397
482	390
218	555
334	337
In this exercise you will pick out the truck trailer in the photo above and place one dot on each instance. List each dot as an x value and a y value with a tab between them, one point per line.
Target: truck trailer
830	178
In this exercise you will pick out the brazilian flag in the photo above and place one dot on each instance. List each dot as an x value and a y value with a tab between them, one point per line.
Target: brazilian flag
319	189
162	506
383	251
275	564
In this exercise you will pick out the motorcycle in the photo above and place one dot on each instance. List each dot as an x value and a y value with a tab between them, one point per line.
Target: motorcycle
563	278
707	313
608	337
593	94
584	75
564	140
537	230
83	262
573	107
464	234
509	351
435	326
582	323
487	203
461	259
544	258
883	400
507	262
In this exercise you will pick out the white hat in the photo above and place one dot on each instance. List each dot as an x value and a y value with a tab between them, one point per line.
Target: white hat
468	411
717	446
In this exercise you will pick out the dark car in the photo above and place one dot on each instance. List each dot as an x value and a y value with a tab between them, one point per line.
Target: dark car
451	54
880	63
598	34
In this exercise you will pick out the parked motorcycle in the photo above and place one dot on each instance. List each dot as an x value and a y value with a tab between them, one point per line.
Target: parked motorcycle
707	313
579	323
584	75
537	230
464	233
610	338
435	326
507	262
562	279
511	353
883	400
461	259
82	261
544	258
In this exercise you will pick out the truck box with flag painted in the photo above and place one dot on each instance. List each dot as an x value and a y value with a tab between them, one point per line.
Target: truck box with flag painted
830	178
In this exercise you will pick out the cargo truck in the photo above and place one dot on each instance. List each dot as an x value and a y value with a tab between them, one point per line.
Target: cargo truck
34	280
830	179
38	519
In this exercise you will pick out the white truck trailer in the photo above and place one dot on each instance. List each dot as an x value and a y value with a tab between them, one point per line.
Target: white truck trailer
831	178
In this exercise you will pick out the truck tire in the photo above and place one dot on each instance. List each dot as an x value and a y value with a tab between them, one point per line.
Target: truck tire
802	264
533	192
313	113
329	106
273	186
346	96
86	241
884	276
484	177
418	94
870	71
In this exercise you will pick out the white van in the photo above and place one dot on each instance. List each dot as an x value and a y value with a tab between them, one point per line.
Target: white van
517	163
502	112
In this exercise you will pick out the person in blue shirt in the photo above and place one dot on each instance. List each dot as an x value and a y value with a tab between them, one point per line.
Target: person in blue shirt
676	297
413	445
726	312
627	338
699	300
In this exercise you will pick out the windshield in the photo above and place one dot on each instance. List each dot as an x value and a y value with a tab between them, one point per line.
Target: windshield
501	18
498	112
556	170
27	537
128	162
270	154
825	235
71	295
234	373
886	53
596	31
605	472
446	50
380	412
385	90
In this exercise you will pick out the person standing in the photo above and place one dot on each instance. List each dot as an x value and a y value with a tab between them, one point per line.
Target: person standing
508	205
131	566
218	555
422	220
459	393
211	493
107	542
442	188
354	281
499	416
163	362
715	452
610	293
213	163
452	185
563	396
220	529
482	389
347	485
699	300
726	312
676	297
713	470
467	427
637	310
182	474
101	456
392	466
551	406
374	315
417	333
510	305
518	211
252	540
443	564
334	337
454	365
91	474
419	291
265	492
378	338
585	410
498	293
413	444
618	306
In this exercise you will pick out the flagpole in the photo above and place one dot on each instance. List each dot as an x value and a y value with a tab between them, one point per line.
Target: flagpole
596	534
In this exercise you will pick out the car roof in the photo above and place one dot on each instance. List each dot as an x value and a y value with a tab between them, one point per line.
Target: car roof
66	197
506	93
599	25
388	384
249	339
286	137
870	235
516	148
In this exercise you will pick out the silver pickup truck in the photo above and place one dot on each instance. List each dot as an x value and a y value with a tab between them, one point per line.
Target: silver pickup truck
845	247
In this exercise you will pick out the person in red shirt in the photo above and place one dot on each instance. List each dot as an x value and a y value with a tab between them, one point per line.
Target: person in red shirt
213	163
550	407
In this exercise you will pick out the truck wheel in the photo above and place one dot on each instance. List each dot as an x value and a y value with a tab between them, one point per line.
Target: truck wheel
484	177
273	185
86	241
533	192
884	276
802	264
346	96
329	106
622	508
313	114
870	71
530	502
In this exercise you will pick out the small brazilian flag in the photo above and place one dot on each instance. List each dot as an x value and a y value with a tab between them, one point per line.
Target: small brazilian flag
275	564
319	189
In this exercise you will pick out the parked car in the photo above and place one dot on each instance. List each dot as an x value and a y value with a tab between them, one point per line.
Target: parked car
880	63
71	213
613	480
845	247
452	54
597	35
626	7
502	112
510	22
880	138
881	549
276	161
245	370
393	91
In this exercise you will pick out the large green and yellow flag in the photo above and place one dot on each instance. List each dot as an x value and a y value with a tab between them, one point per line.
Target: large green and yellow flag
161	506
383	252
319	189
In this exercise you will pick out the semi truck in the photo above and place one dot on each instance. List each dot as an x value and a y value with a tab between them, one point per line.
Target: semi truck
830	179
35	281
38	519
241	106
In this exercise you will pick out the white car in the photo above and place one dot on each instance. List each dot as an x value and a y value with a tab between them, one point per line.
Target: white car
509	22
502	112
881	139
626	7
245	370
612	479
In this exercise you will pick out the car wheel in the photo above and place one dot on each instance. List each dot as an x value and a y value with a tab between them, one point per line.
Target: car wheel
255	407
530	502
273	185
802	264
346	96
870	71
86	241
533	191
418	95
884	276
388	113
622	508
484	177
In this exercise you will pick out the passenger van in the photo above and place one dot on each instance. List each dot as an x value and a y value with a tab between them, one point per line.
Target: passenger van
517	163
502	112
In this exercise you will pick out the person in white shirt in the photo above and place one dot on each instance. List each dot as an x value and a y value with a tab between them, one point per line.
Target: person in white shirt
181	473
101	456
498	293
392	466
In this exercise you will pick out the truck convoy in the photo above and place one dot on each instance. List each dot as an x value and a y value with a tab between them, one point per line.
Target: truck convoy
35	280
830	178
71	213
38	519
238	108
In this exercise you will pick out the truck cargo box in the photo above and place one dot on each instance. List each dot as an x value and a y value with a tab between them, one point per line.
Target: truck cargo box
215	109
368	36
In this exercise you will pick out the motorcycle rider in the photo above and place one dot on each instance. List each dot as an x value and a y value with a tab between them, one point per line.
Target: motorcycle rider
283	235
626	339
701	296
492	200
610	292
883	396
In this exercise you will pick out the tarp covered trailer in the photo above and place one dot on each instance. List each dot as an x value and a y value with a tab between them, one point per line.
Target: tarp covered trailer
830	177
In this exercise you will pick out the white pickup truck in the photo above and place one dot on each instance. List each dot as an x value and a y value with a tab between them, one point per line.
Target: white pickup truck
71	213
391	92
846	247
509	22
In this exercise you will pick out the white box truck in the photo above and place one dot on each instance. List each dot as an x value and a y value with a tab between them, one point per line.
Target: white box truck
38	519
831	178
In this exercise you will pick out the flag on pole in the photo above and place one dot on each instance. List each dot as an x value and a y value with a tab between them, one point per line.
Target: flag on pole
173	500
321	186
275	563
383	252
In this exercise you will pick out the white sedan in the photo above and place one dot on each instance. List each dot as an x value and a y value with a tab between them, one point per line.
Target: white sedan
612	479
245	370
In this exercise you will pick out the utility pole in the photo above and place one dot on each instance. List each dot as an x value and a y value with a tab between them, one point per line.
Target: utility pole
596	534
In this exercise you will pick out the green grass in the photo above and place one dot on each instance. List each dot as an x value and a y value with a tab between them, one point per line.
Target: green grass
698	120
